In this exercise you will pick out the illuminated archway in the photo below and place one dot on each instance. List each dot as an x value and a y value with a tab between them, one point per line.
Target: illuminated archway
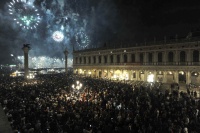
100	74
150	77
170	77
105	74
94	73
194	77
117	75
159	76
84	73
125	75
141	75
182	77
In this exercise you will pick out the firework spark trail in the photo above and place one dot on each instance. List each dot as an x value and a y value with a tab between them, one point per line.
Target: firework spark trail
24	14
45	62
74	19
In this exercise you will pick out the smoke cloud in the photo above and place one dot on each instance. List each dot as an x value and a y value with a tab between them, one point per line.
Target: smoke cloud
84	24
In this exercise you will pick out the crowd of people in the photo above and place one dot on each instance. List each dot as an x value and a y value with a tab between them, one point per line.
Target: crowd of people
49	104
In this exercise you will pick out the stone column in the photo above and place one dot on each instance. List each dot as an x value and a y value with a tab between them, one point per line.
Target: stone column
114	58
95	73
129	58
145	75
189	59
87	59
137	74
97	59
164	77
122	58
176	77
109	73
176	57
108	58
188	77
155	58
137	57
92	60
82	60
129	74
155	76
145	58
165	57
66	54
102	59
26	49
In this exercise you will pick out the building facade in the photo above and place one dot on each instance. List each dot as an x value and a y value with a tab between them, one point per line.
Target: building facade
166	63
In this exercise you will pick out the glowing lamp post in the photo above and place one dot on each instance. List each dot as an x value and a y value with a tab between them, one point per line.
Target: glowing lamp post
66	54
26	48
77	86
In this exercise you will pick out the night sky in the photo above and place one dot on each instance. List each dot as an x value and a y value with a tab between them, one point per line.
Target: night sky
103	21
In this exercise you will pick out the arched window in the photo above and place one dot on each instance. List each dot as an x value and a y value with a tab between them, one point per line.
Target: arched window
89	59
141	57
76	60
160	57
150	58
111	59
182	56
118	58
99	59
80	60
105	59
133	58
125	58
94	59
170	57
84	60
195	56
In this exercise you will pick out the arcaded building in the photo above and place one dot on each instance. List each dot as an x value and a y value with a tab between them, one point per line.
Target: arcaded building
176	61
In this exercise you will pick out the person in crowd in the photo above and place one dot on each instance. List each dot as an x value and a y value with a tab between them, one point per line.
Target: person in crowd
49	104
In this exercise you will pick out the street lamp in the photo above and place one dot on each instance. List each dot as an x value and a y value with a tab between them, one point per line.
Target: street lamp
77	86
